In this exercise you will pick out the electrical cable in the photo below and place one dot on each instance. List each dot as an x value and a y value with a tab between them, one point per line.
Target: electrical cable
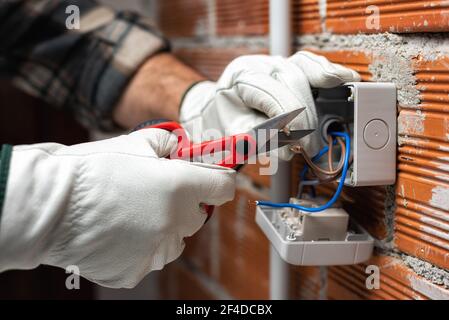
337	193
330	158
321	173
321	153
313	183
302	176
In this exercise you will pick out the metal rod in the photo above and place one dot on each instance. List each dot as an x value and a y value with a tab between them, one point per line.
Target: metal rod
280	44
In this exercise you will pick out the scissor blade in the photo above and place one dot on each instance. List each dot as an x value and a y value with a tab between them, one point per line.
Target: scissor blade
281	121
294	136
283	139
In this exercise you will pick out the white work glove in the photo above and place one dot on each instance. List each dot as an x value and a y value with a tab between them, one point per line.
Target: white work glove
116	209
255	87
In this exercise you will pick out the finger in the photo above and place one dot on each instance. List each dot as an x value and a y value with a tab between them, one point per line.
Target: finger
263	93
322	73
261	63
161	141
293	78
213	185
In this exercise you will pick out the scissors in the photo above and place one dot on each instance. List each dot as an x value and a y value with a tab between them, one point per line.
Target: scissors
263	138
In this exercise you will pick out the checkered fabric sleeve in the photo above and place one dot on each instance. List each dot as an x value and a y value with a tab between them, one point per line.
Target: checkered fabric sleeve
83	70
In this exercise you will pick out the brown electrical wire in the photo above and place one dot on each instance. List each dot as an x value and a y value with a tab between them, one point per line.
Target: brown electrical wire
340	164
330	157
328	172
342	157
322	174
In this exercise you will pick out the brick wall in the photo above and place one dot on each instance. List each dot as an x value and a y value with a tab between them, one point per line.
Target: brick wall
229	257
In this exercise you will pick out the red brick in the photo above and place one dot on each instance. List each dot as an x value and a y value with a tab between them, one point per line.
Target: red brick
346	17
357	60
421	227
183	18
199	248
397	282
306	283
212	61
432	83
422	217
244	249
306	16
421	222
235	17
231	250
351	17
178	282
424	124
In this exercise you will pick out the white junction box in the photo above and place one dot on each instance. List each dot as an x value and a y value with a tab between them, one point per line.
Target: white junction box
315	239
369	110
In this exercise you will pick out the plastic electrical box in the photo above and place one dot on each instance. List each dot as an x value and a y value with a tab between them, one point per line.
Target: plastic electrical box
369	109
315	239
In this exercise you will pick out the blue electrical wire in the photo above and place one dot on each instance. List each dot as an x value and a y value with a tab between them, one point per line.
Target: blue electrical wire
337	192
322	152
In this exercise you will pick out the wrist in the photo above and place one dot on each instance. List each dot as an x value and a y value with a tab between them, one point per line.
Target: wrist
155	91
187	91
195	100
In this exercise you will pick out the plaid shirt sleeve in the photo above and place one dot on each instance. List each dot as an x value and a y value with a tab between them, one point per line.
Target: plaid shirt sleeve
82	70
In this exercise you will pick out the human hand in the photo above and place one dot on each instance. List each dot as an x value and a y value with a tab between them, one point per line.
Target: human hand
256	87
116	209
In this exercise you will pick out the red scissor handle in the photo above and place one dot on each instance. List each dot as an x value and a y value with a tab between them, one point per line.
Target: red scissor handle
171	126
240	147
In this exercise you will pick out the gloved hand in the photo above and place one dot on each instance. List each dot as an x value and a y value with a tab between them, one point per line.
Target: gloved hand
255	87
116	208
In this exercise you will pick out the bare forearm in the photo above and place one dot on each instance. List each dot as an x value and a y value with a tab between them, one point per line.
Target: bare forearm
155	91
85	77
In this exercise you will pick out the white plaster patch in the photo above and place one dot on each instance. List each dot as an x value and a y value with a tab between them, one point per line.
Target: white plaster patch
444	167
432	238
251	43
201	27
432	277
444	148
438	214
322	4
428	289
440	197
437	224
444	178
411	123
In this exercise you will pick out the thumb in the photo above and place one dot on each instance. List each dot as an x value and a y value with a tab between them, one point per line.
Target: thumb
213	185
161	141
322	73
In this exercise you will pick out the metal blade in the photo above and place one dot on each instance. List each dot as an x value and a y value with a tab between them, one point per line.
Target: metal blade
284	139
279	122
294	135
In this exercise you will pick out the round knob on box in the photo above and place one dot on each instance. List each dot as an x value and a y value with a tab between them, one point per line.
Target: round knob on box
376	134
